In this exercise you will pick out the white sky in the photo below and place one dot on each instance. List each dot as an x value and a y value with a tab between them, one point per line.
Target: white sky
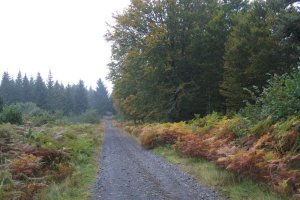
65	36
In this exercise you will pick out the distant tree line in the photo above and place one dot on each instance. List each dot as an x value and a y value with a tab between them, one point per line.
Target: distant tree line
53	96
175	58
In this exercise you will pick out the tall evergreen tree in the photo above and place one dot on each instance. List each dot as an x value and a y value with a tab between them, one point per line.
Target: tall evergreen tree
50	93
7	88
40	92
80	98
27	90
58	97
101	98
69	99
18	88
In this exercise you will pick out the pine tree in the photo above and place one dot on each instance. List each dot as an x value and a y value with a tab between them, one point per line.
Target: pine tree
69	100
58	97
40	92
101	98
80	98
50	93
7	88
27	90
18	88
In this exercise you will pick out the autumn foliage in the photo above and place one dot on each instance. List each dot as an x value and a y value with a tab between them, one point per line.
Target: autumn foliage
266	152
33	158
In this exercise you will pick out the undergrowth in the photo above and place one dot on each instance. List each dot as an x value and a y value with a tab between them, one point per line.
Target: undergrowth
266	151
49	161
222	180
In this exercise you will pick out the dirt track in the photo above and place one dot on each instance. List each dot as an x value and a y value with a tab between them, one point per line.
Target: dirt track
129	172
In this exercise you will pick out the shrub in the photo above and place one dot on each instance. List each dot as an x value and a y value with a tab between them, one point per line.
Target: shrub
11	114
91	116
40	117
279	99
207	122
27	108
162	134
240	126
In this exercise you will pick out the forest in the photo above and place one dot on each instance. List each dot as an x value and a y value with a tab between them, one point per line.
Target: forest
173	59
211	85
53	97
213	80
50	137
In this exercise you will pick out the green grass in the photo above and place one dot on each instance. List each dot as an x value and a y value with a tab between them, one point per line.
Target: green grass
78	186
207	173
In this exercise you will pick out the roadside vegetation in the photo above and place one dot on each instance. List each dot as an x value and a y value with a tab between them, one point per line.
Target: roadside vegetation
50	137
47	156
214	80
225	182
261	142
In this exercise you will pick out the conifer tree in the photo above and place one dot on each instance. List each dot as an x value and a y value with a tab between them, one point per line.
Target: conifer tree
40	92
18	88
27	90
7	88
80	98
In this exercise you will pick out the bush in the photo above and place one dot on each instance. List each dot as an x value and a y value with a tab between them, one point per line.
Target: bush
207	122
240	126
279	99
27	108
154	135
40	117
11	114
91	116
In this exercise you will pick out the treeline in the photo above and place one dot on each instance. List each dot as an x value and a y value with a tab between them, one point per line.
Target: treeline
174	58
53	96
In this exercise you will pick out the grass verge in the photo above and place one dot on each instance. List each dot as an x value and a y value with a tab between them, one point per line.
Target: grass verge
78	186
207	173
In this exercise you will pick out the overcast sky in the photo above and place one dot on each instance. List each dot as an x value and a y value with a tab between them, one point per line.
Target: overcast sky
64	36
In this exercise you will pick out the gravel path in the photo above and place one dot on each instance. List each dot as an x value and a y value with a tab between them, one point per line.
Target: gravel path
129	172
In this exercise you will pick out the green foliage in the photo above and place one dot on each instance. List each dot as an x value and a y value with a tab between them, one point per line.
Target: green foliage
240	126
27	108
286	125
57	162
207	122
11	114
91	116
53	96
165	69
253	52
170	62
6	131
262	126
280	98
1	104
40	117
99	99
81	149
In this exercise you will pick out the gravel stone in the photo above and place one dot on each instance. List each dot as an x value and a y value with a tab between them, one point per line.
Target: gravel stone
128	172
